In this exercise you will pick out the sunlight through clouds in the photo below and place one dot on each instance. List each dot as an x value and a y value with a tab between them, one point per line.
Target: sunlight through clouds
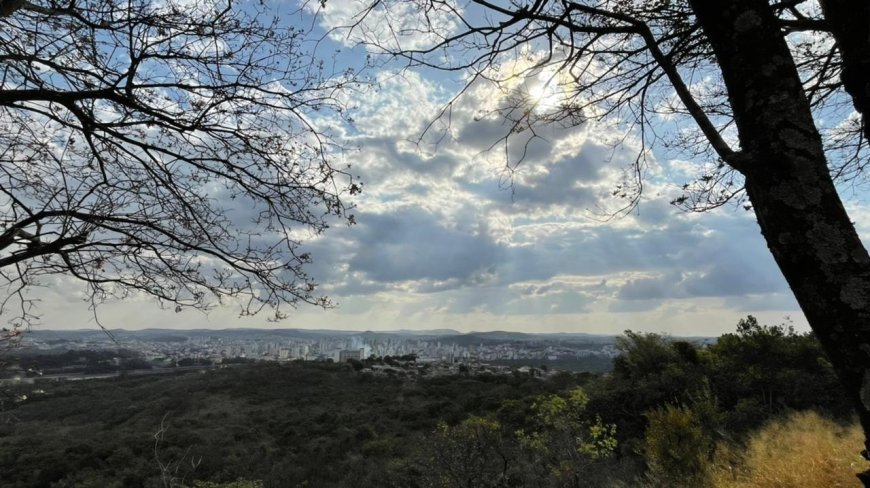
483	210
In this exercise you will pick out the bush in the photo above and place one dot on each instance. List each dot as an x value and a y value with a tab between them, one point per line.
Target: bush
676	447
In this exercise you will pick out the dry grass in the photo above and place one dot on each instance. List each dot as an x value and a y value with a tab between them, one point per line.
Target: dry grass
805	450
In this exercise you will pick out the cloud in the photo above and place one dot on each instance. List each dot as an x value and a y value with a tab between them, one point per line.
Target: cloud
726	279
660	287
384	26
634	306
441	242
750	304
574	179
413	244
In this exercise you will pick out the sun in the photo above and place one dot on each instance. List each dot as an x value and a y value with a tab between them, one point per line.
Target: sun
546	94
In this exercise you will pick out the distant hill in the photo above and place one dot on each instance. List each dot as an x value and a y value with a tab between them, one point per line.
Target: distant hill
80	334
429	332
494	337
448	336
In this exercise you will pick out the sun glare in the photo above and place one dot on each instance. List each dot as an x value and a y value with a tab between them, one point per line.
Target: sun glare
545	92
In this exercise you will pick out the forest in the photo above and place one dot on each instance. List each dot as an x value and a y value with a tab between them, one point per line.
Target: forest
670	413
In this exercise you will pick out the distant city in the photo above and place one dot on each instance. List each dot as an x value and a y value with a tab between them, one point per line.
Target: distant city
323	345
92	354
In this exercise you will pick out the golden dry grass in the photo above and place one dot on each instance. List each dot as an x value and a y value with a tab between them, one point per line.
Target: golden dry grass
804	450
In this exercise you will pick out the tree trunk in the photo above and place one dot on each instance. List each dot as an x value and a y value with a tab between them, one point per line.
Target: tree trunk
799	211
849	22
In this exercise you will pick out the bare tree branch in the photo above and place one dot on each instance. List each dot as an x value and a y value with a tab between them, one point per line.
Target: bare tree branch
173	149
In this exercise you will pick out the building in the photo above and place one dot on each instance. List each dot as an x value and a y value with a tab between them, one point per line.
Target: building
347	354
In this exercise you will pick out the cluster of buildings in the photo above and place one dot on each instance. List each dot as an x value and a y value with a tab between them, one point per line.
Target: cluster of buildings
216	346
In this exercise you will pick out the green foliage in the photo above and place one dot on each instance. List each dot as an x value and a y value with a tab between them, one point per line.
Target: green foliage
664	406
676	447
232	484
356	364
650	371
763	370
279	423
36	363
748	377
549	440
472	454
563	421
563	438
194	362
587	364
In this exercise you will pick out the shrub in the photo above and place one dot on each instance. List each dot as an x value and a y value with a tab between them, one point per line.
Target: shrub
676	447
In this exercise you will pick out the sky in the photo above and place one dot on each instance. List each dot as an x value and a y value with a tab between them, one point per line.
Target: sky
446	239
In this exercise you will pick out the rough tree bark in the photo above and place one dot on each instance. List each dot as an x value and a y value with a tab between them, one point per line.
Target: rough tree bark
799	211
849	22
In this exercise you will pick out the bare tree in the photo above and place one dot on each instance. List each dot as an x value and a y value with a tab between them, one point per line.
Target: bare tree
173	148
173	471
778	93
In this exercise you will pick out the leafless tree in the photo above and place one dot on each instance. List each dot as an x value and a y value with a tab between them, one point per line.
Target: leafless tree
172	148
777	94
173	472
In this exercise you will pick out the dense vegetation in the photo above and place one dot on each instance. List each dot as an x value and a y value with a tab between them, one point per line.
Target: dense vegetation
283	424
666	416
72	362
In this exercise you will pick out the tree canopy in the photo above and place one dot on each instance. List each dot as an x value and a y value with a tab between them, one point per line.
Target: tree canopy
166	148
